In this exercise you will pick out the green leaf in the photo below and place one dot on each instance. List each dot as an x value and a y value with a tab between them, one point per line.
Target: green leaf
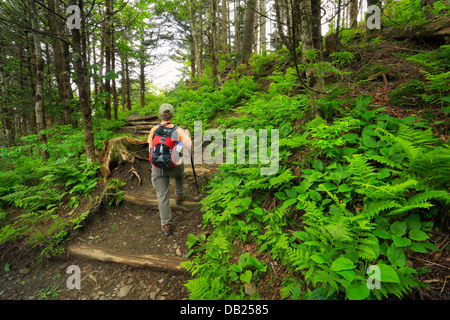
388	274
7	267
236	268
417	247
289	203
342	264
369	141
296	292
413	222
418	235
318	258
246	276
344	188
315	195
318	165
396	256
429	245
358	292
400	242
398	228
381	233
326	186
348	275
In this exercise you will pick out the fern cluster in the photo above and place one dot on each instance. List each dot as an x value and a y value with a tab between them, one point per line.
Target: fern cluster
365	186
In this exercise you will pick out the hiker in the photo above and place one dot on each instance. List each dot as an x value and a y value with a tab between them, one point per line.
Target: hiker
165	141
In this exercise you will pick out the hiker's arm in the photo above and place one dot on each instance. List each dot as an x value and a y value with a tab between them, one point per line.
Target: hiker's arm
149	140
186	140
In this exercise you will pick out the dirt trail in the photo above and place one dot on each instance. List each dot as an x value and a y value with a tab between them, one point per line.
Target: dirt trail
127	229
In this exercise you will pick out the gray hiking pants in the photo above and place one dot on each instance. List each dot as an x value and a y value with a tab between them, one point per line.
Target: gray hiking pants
160	181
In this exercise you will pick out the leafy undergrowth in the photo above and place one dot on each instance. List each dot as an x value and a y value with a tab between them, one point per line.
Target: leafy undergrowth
40	203
357	194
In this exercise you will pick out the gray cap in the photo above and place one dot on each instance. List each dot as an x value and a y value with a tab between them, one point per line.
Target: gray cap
166	108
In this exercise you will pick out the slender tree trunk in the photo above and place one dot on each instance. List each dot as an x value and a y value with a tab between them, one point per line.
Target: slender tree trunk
316	25
224	40
194	49
353	14
82	82
213	38
59	62
114	88
107	41
306	36
39	103
248	37
142	82
237	26
262	26
128	81
123	81
4	112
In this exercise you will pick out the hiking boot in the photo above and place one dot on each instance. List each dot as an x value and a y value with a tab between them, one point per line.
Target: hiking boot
167	229
179	199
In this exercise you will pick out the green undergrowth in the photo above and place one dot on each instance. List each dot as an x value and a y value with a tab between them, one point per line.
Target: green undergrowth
357	194
39	201
368	189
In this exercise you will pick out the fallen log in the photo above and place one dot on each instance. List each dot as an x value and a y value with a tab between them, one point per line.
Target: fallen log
156	262
141	123
435	29
137	117
148	201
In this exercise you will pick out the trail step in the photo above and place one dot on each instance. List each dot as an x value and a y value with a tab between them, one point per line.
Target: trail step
154	261
149	201
137	117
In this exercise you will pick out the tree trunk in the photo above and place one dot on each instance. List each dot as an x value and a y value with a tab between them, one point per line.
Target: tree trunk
114	88
262	28
317	25
128	83
82	82
248	37
107	41
194	50
213	45
156	262
224	40
237	26
39	103
142	82
353	14
123	82
59	62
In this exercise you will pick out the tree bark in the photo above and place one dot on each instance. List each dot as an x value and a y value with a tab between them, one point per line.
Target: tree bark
107	41
39	103
353	14
4	112
82	82
59	61
262	28
157	262
114	88
194	50
248	36
128	83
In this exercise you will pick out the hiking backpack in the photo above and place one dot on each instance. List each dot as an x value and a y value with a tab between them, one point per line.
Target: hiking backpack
163	153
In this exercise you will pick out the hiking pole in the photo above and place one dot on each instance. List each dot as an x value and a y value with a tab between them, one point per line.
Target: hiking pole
192	164
193	170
